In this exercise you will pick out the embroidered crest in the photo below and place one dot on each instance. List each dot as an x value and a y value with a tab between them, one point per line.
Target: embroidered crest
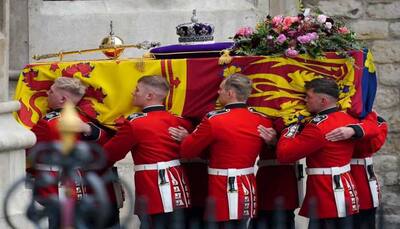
52	115
216	112
318	119
292	131
136	116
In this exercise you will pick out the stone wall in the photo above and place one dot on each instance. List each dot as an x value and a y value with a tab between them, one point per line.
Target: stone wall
377	22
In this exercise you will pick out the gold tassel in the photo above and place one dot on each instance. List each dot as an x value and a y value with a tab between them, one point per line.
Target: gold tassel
140	64
148	55
225	58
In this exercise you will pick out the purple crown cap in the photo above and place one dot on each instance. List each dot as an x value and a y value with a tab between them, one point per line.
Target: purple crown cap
195	31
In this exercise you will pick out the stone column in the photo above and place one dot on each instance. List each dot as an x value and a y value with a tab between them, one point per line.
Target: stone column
13	137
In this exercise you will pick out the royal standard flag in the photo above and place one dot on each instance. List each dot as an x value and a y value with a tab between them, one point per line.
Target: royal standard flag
278	85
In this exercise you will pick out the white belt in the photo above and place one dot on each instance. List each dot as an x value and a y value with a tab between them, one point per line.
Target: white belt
44	167
372	182
271	162
230	172
361	161
157	166
337	186
232	187
194	160
328	171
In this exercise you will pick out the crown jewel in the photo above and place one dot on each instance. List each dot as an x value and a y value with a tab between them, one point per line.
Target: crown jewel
195	31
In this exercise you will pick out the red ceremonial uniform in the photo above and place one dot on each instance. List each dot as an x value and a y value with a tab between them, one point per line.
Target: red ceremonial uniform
159	179
361	164
46	130
233	142
330	186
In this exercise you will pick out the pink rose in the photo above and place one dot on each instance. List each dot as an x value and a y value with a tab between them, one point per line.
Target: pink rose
305	39
313	36
287	22
281	38
245	32
291	52
277	20
295	19
343	30
321	18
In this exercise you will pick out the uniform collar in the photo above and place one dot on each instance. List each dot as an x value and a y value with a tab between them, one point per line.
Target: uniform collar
328	111
154	108
236	105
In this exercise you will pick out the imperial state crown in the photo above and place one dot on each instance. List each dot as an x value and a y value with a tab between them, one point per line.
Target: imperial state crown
195	31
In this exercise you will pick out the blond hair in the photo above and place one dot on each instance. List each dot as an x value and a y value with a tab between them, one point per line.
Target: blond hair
239	83
74	87
156	82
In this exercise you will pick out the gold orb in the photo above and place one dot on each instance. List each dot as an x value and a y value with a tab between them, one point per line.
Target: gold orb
112	45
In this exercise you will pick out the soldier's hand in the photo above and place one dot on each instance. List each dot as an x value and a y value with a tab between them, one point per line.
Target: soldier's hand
178	134
268	134
85	128
340	133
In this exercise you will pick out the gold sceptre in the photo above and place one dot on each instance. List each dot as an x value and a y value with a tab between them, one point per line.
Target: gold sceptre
69	126
112	46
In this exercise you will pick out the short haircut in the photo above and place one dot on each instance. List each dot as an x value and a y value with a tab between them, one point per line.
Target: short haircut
323	86
241	84
72	85
157	82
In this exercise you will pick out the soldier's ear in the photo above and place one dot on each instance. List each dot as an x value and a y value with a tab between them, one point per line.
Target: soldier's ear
149	96
324	100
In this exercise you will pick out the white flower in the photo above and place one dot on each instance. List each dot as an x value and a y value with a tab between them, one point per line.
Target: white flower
328	25
321	18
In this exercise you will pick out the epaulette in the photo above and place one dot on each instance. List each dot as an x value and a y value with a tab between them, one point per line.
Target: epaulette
380	120
319	119
256	112
52	115
216	112
136	116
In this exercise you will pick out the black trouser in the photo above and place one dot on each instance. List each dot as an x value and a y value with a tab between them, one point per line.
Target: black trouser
365	219
231	224
331	223
195	218
280	219
171	220
113	218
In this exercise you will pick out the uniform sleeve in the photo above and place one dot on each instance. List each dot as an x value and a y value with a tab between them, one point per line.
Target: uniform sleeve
195	143
367	128
379	141
97	134
118	146
290	149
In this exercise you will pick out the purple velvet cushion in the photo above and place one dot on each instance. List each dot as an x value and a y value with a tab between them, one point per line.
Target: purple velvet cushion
190	51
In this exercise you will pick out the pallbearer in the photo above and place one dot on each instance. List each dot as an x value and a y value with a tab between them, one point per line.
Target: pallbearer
234	143
160	185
